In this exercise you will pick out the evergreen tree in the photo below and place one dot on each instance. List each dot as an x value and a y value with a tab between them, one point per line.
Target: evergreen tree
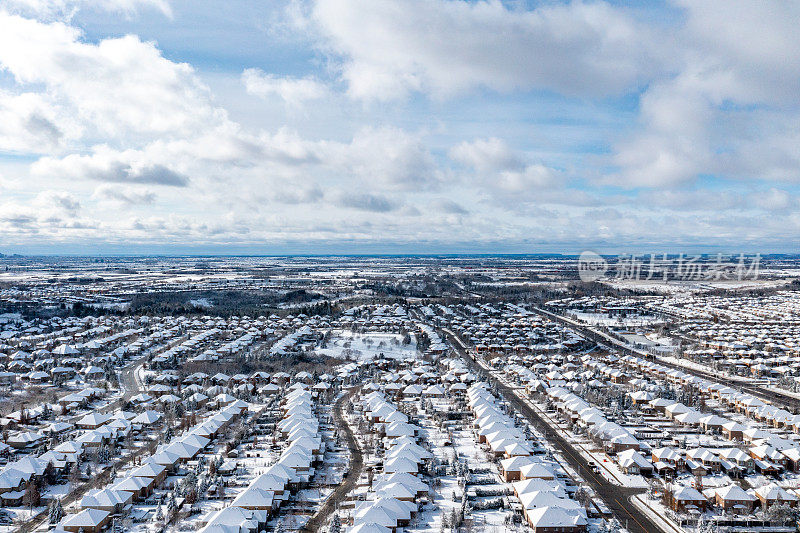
336	524
455	518
189	483
103	455
171	504
202	486
56	512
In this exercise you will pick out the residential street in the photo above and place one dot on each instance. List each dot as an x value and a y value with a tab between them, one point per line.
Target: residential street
615	497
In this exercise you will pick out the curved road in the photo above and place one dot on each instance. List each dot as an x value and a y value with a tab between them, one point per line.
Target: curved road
129	380
353	471
131	386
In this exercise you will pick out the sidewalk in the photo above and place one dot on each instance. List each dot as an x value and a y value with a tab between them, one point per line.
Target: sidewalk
664	522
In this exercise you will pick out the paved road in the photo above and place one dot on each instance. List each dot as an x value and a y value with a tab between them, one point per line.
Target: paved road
614	496
777	398
131	387
354	470
129	384
128	380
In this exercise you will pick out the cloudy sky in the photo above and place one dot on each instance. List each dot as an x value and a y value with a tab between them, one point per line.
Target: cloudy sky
398	126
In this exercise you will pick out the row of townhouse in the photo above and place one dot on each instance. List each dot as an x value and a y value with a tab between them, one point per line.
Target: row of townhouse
545	500
294	469
398	490
731	498
615	438
98	506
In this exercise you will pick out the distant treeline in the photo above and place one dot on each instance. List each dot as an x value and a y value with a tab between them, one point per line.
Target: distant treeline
224	303
175	303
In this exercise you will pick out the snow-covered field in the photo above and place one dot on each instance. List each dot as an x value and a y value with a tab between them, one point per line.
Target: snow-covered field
365	346
690	287
602	319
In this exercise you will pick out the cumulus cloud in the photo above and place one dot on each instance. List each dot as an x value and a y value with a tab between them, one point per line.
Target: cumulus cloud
300	195
66	8
109	166
30	123
750	49
387	157
449	207
502	170
774	200
50	214
124	195
119	88
366	202
530	179
487	155
59	200
109	122
294	91
729	109
17	217
392	47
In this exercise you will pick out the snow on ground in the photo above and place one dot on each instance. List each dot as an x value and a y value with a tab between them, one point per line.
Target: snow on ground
690	287
204	303
117	306
365	346
605	320
20	514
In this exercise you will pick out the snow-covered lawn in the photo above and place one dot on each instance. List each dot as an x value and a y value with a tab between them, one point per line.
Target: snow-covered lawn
365	346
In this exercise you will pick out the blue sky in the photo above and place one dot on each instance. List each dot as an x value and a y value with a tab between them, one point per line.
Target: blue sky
366	126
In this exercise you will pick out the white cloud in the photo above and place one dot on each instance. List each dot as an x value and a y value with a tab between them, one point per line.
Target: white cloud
60	9
487	155
113	122
124	195
30	123
529	180
120	88
294	91
299	195
774	200
386	157
374	203
391	47
449	207
504	172
731	107
16	217
752	49
59	200
110	166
